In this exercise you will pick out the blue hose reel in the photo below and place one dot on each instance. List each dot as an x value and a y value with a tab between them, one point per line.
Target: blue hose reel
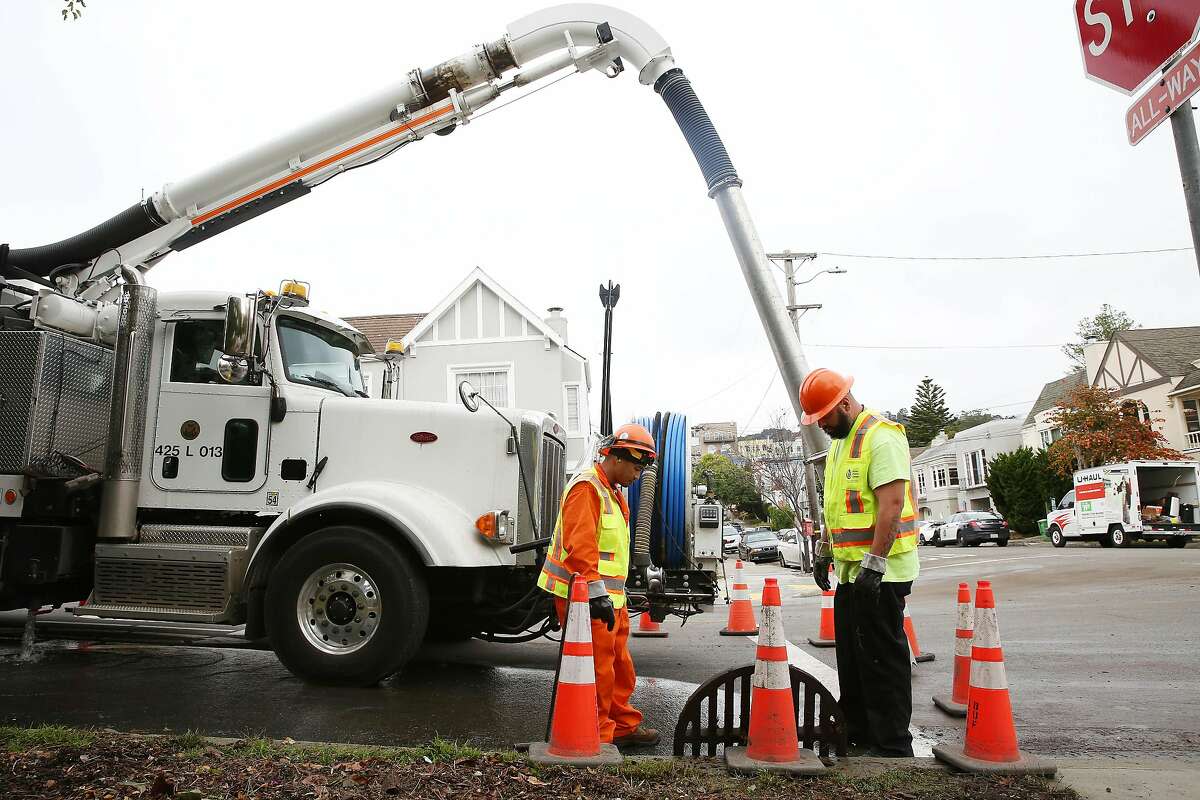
668	529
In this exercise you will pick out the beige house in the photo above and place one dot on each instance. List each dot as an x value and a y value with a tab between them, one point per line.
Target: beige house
1155	370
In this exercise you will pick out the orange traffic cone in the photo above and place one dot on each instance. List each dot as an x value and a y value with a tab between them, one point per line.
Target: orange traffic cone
913	648
990	744
648	628
741	614
956	704
773	744
825	633
575	725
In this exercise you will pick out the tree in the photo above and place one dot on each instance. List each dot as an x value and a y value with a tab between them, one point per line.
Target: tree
71	9
1099	429
900	416
780	471
1023	486
734	486
969	419
928	415
1099	328
780	518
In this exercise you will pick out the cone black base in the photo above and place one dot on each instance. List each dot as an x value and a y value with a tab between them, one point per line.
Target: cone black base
609	756
822	642
949	706
806	763
727	632
648	634
1025	765
924	658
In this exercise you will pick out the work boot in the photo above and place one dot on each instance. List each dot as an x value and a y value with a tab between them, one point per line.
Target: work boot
642	737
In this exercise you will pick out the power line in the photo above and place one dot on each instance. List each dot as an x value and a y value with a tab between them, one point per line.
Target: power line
770	383
1009	257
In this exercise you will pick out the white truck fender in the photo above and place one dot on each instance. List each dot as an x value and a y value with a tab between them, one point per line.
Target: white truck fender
442	533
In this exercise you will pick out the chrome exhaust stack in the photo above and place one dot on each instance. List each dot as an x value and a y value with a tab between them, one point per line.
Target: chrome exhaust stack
127	408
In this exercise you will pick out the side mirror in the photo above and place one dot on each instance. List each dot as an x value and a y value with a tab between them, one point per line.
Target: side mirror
239	327
467	393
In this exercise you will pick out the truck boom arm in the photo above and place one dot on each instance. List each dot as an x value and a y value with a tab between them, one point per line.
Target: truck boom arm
430	100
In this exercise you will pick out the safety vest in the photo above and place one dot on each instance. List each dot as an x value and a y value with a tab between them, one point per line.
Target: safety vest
612	533
849	502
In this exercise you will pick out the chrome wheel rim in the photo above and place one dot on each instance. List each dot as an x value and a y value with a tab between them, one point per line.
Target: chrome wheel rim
339	608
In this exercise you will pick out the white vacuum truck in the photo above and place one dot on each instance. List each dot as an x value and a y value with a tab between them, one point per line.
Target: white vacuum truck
201	457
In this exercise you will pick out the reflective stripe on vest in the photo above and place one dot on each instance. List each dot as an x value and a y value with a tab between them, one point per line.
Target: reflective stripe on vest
850	503
612	539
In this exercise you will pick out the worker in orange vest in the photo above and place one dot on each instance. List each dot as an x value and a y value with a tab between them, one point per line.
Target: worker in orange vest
591	538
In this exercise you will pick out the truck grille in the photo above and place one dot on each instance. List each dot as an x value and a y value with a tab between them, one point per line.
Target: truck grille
545	471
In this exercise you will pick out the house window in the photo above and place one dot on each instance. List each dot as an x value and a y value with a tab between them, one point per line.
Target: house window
492	382
1050	436
952	474
939	477
1191	415
976	468
921	483
572	398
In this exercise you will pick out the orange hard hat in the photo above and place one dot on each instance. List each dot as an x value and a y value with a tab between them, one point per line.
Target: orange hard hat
629	436
821	391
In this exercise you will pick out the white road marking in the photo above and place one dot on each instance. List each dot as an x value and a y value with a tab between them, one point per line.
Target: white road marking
985	561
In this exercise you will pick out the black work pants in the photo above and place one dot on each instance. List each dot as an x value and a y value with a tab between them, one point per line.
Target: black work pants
873	668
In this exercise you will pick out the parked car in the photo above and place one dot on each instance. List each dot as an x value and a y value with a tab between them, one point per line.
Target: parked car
790	552
759	545
974	528
929	531
731	537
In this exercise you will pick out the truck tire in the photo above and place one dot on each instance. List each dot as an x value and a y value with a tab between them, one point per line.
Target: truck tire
1177	541
1056	537
1117	537
345	606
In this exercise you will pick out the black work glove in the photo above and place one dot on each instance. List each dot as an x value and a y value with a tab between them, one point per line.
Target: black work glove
821	565
601	608
866	586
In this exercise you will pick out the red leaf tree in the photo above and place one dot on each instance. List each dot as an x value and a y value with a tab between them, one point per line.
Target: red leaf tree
1098	428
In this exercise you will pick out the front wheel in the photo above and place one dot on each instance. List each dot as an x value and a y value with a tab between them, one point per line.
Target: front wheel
1177	541
345	606
1056	538
1002	543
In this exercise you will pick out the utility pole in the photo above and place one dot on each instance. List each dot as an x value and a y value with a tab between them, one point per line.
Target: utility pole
1183	128
806	442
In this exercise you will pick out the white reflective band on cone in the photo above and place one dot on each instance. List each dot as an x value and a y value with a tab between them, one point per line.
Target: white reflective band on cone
579	626
772	675
988	675
577	669
987	629
826	600
772	628
740	594
962	647
964	616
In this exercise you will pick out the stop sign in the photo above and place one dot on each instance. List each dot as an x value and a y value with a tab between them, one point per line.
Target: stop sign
1124	42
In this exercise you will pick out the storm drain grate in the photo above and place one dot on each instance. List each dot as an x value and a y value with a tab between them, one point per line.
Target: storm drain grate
717	715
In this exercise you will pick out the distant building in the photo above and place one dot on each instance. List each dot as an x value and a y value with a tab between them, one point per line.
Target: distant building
1155	371
951	474
481	333
713	437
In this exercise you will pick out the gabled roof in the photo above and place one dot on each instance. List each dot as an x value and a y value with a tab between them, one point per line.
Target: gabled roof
1053	392
477	275
1190	381
378	328
1170	350
936	451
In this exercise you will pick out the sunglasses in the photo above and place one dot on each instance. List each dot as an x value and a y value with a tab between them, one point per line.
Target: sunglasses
639	459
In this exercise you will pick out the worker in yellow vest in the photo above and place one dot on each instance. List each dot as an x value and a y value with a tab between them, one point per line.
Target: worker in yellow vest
870	537
591	538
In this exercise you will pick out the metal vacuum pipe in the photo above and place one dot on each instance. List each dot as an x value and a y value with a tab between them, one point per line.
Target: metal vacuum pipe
127	409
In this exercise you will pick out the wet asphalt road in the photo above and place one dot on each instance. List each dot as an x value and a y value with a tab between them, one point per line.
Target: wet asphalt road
1101	649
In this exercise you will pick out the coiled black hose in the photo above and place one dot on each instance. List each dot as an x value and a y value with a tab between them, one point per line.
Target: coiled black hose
676	91
641	529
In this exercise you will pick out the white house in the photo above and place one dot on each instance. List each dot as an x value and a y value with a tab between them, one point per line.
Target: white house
1156	371
481	333
951	474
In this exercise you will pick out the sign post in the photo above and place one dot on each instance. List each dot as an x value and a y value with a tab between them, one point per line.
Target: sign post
1124	43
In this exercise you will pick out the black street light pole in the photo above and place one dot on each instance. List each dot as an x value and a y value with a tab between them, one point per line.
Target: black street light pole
608	297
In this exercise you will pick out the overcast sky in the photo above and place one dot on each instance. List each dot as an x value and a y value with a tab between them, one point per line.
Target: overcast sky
899	129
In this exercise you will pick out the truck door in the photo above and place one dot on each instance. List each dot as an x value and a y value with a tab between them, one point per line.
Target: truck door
209	435
1117	498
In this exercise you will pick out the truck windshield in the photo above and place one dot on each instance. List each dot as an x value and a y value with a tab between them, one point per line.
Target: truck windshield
317	356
